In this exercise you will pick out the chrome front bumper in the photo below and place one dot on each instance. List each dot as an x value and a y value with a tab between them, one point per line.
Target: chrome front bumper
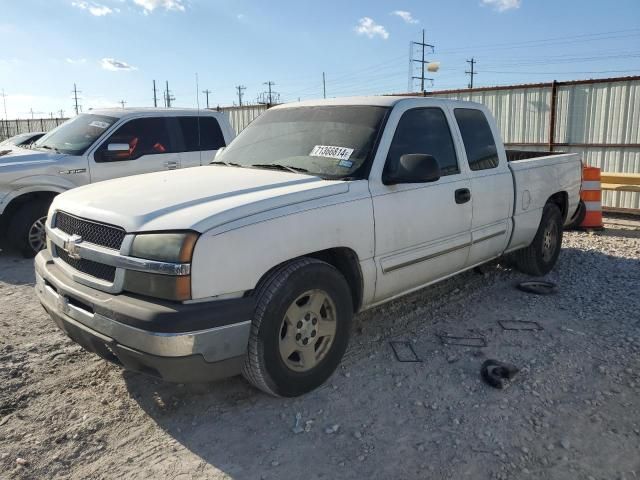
89	316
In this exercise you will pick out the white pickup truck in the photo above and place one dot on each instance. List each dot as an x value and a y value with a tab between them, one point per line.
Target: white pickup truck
316	211
96	146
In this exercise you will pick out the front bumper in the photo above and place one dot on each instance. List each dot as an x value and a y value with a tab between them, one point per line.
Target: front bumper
177	342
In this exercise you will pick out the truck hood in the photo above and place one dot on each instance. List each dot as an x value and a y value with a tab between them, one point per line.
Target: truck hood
13	157
199	198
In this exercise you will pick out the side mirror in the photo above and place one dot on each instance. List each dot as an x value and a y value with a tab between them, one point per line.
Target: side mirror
414	168
116	151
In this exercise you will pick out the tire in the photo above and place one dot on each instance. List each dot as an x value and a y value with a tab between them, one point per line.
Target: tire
25	232
540	257
284	320
578	217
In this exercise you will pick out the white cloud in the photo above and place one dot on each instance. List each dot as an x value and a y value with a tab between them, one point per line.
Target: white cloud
503	5
241	17
94	9
150	5
74	61
115	65
406	16
367	26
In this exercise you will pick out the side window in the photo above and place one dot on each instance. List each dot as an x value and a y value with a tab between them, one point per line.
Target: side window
424	130
144	136
479	143
208	137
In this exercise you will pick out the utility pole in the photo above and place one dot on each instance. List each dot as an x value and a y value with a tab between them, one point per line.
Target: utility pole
207	92
155	95
240	89
422	61
168	98
31	112
75	92
269	84
61	112
122	102
471	72
324	86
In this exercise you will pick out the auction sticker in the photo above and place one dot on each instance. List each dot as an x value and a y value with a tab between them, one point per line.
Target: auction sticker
99	124
341	153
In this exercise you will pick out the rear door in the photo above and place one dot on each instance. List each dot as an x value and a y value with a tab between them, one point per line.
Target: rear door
151	149
491	185
422	229
202	137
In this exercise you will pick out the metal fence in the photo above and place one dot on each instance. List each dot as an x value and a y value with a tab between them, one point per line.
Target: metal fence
9	128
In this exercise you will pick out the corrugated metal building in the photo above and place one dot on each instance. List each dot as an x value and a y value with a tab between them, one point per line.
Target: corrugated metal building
240	117
600	119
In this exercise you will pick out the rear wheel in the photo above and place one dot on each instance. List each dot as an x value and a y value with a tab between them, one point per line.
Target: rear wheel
540	257
26	231
300	329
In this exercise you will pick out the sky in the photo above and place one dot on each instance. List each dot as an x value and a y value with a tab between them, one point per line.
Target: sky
114	49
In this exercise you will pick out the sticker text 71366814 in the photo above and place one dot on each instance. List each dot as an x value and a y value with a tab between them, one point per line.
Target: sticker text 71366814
328	151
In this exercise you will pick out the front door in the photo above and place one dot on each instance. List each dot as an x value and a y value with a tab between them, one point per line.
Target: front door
422	230
150	150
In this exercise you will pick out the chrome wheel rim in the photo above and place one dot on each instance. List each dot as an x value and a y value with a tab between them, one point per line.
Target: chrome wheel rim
307	330
549	241
37	236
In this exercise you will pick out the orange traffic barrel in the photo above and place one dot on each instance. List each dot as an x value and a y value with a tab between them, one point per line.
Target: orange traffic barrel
591	195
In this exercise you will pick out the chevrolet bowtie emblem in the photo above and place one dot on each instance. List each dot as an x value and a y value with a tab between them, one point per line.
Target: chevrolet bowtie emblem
72	246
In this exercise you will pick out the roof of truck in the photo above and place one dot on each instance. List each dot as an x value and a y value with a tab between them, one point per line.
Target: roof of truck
156	112
375	101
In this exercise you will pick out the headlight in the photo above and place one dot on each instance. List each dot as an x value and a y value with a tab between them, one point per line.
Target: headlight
165	247
175	247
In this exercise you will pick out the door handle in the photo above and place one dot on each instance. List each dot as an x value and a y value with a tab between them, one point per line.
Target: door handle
463	195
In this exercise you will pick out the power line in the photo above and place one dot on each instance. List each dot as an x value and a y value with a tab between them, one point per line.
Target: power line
240	89
471	72
76	106
421	61
207	92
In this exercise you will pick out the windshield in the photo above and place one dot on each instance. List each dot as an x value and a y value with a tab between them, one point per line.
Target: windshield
327	141
16	140
74	136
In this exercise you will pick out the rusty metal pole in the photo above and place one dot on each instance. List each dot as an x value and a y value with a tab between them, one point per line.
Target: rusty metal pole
552	120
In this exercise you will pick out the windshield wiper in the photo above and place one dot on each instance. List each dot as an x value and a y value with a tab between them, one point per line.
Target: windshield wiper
226	164
277	166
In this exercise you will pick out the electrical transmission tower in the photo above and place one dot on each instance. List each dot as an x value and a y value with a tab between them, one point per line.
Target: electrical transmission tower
269	97
240	89
207	92
423	45
122	102
76	106
472	73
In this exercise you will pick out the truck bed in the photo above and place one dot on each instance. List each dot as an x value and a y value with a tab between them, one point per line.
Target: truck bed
517	155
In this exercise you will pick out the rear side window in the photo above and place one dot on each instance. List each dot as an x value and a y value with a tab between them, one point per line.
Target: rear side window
424	130
479	143
201	133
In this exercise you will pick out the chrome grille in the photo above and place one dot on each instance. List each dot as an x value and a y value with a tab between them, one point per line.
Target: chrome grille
95	269
101	234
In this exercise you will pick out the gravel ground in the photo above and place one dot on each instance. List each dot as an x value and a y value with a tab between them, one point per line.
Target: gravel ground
573	411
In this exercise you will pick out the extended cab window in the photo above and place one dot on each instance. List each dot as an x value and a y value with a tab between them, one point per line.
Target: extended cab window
479	143
201	133
144	136
426	131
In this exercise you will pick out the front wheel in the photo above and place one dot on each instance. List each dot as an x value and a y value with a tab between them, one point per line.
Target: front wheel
540	257
26	230
300	329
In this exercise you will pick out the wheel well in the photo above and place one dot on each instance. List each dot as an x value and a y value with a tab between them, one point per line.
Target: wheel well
561	199
345	260
17	202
